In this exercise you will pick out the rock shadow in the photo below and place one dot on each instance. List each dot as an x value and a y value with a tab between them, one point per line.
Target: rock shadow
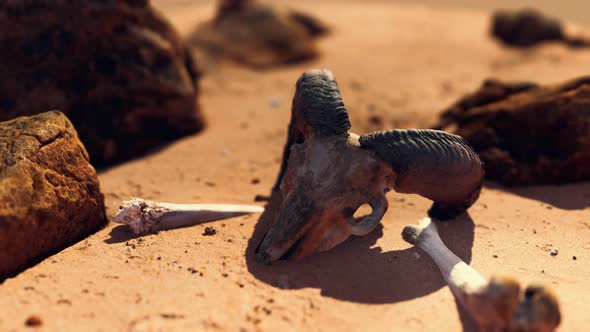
573	196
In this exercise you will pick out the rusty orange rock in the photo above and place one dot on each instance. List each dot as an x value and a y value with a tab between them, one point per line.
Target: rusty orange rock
49	193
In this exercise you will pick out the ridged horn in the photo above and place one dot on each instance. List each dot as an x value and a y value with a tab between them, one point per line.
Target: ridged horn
432	163
317	111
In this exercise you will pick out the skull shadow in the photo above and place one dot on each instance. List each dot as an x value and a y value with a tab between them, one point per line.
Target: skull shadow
356	270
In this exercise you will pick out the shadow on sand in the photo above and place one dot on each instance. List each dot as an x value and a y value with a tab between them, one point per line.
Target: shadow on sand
574	196
359	272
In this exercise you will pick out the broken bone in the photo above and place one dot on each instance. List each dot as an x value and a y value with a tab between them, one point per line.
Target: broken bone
494	305
144	216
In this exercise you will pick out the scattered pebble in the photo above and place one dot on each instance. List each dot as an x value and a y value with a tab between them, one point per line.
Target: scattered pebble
575	258
375	120
275	102
33	321
209	231
554	252
255	181
495	256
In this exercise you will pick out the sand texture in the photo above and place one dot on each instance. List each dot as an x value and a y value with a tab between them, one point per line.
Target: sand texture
398	66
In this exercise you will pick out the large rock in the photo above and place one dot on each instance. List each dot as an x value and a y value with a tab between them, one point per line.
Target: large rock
257	34
529	27
527	134
49	193
116	68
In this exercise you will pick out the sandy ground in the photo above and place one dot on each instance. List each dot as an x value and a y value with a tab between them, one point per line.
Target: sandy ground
403	63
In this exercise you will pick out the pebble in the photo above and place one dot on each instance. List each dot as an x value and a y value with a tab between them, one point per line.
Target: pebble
554	252
275	102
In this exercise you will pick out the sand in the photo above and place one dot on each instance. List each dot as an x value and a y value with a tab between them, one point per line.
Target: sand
401	63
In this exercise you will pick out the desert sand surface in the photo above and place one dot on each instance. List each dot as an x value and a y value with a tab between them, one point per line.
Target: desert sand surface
402	63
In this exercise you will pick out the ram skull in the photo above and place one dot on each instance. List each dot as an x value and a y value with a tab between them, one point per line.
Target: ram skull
327	173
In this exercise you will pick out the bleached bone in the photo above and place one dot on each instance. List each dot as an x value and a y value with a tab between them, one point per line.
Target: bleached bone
144	216
495	305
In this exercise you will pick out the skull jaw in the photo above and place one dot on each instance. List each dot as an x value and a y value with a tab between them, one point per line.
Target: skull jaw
322	236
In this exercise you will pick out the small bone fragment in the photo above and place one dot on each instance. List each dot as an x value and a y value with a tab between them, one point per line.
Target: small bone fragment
495	305
144	216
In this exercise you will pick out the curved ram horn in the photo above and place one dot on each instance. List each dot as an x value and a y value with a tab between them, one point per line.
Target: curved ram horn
317	111
432	163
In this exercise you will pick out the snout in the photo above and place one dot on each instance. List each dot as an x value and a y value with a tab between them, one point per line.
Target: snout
301	230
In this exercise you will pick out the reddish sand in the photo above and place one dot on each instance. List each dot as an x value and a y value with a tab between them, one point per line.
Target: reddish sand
402	63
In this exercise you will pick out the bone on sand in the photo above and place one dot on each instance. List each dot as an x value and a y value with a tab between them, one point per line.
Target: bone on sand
144	216
495	305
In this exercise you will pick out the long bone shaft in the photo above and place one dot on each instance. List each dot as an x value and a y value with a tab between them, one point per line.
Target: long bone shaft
144	216
461	278
494	305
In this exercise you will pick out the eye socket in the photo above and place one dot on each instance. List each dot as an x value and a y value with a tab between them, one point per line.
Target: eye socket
363	211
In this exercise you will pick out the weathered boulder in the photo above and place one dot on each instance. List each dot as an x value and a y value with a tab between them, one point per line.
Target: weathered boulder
49	193
529	27
257	34
117	69
527	134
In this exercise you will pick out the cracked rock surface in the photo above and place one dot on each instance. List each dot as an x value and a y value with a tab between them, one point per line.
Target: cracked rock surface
527	134
117	69
49	193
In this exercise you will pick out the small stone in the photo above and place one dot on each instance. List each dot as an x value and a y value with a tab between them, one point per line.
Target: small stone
275	102
575	258
209	231
33	321
554	252
495	256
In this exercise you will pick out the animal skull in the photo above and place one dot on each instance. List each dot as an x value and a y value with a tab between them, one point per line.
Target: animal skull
328	173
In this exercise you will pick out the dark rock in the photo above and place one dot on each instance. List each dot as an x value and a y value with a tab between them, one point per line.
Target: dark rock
525	27
209	231
49	193
117	69
527	134
529	27
257	34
